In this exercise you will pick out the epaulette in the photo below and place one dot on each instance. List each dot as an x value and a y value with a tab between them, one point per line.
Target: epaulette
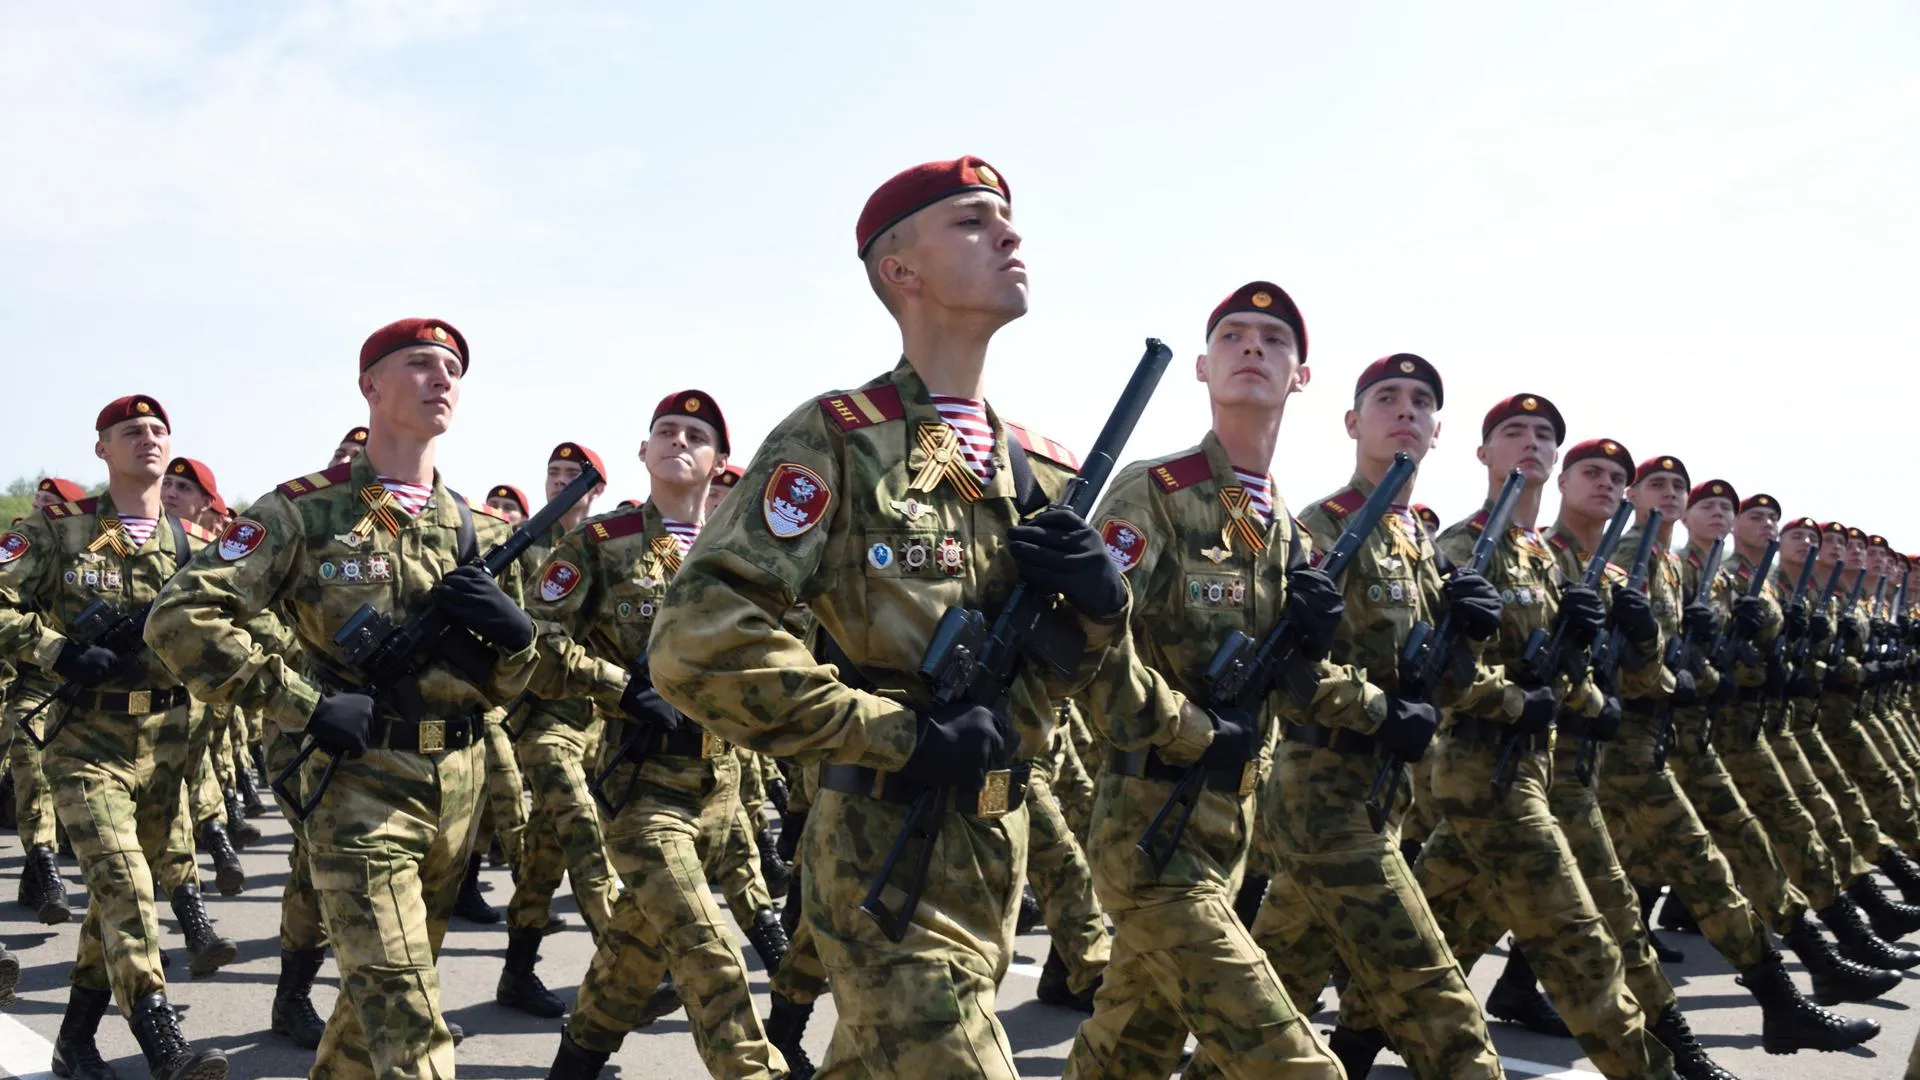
622	522
1041	446
312	482
203	535
1479	521
1693	557
59	510
1182	472
856	409
1344	503
1559	541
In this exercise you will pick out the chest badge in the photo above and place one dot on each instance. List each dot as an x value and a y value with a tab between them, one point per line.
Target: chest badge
915	556
1216	554
910	509
1242	520
351	541
951	556
937	456
879	556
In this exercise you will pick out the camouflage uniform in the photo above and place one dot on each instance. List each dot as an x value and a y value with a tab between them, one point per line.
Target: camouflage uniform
802	978
32	795
1072	780
1851	743
505	818
1182	960
597	599
878	564
1061	879
388	842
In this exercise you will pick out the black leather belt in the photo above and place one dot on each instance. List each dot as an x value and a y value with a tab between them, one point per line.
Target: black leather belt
1003	793
1640	706
1492	733
132	702
427	736
1147	765
1339	740
690	741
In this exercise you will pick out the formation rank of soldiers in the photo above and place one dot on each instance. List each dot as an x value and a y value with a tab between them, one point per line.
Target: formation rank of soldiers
1227	752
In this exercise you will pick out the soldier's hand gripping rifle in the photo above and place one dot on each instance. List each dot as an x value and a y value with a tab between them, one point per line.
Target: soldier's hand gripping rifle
1802	654
100	623
1604	661
1778	653
1684	653
1432	653
1838	650
636	729
1242	672
390	655
1730	646
970	660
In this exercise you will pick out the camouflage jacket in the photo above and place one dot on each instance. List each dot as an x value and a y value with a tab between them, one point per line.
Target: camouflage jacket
594	603
867	513
1639	670
60	560
304	558
1664	593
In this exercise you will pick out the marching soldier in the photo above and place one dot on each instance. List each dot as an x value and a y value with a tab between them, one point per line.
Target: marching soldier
388	838
509	502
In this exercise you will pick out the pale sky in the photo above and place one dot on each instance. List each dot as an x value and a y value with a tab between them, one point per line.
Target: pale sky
1692	226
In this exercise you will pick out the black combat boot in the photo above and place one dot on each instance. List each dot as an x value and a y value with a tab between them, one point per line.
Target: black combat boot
1356	1049
785	1026
1903	872
1516	999
664	1001
211	952
1891	919
227	874
1690	1060
258	755
519	987
1836	979
156	1027
293	1012
1860	944
768	938
773	868
1790	1023
51	889
74	1053
9	974
574	1063
1246	904
242	832
1665	953
1030	914
250	801
1053	989
470	905
1674	916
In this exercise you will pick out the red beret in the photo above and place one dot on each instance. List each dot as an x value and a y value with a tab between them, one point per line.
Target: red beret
1854	533
1662	465
1532	405
131	407
202	478
573	451
629	502
1876	541
1263	298
66	489
1712	489
1765	502
1401	365
699	405
357	435
508	491
730	476
1427	515
1605	449
917	188
404	332
1833	527
1806	523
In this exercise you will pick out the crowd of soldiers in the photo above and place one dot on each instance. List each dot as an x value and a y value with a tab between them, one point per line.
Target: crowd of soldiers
1225	754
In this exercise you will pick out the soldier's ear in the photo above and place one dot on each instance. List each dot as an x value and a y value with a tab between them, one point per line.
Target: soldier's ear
1200	368
99	449
1435	441
1302	375
1353	424
366	386
719	466
1481	453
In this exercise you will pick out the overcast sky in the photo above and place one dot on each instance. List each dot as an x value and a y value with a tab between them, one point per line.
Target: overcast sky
1692	226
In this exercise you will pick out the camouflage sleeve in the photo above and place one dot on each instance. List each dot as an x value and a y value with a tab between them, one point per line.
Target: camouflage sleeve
1345	697
567	669
1490	695
28	573
214	624
511	670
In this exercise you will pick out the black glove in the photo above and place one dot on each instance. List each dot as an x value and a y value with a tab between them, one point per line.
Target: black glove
645	705
1684	691
1796	617
341	723
788	845
1536	714
1584	613
1635	615
1606	726
1723	692
470	597
1474	602
1058	552
1236	740
778	795
1819	625
958	743
87	665
1802	684
1749	615
1316	607
1850	632
1699	619
1408	728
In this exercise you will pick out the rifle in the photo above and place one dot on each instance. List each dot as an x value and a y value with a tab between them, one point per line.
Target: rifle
969	660
390	655
1777	653
633	732
524	701
1242	673
99	623
1684	653
1728	648
1604	661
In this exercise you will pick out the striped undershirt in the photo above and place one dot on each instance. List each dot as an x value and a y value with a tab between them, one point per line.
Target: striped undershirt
683	532
1259	492
411	497
968	419
139	530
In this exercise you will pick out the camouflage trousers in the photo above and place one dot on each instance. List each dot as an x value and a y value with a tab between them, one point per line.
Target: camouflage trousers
1757	869
32	795
1061	879
1344	890
802	978
563	837
665	920
1863	828
1853	747
302	927
734	866
388	851
116	786
1878	730
1072	785
1182	962
1504	863
1785	820
1820	804
505	816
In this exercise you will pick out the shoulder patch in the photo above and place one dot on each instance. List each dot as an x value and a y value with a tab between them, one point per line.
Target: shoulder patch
56	511
558	580
1344	503
1040	446
1182	472
617	525
1126	542
856	409
796	499
12	546
203	535
241	537
312	482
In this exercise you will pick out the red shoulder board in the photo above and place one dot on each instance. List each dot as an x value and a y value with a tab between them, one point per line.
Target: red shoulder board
312	482
1479	520
56	511
198	533
863	408
1693	557
1559	541
614	527
1182	472
1040	446
483	508
1344	503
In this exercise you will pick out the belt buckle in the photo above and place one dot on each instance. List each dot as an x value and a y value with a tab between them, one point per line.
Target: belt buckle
433	736
1249	778
995	794
711	745
139	702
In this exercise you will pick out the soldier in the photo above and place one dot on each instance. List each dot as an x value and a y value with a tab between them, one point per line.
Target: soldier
505	818
878	514
1060	882
509	502
351	446
723	486
121	751
382	531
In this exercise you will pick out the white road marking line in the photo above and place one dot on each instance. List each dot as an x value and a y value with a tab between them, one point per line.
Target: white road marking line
23	1053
